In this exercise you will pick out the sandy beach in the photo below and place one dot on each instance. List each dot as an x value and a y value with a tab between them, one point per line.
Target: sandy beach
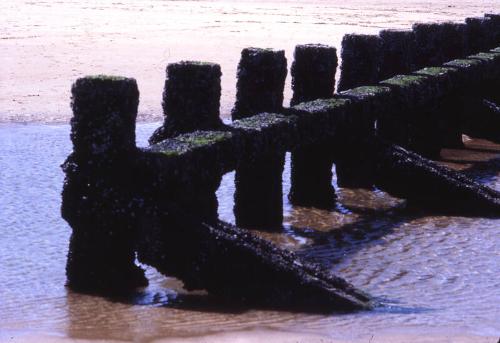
47	45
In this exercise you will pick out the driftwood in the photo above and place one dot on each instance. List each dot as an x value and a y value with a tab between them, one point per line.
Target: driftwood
428	185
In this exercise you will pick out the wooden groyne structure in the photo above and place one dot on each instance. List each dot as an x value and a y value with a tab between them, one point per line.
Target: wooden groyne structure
404	95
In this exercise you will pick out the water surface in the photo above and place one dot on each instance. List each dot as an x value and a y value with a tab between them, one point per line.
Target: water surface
46	45
433	274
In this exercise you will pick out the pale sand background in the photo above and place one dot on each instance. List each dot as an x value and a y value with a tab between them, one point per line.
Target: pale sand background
46	45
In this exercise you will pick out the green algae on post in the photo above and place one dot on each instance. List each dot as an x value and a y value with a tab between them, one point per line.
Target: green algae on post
190	141
104	77
487	56
434	71
261	121
364	92
404	80
320	105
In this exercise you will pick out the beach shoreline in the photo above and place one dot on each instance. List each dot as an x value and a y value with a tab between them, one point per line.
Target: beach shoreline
258	336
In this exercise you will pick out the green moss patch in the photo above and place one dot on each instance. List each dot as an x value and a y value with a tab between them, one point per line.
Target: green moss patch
262	121
103	77
404	81
367	91
484	56
196	63
434	71
190	141
463	63
321	105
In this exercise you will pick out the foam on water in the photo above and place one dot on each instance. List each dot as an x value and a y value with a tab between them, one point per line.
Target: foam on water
429	273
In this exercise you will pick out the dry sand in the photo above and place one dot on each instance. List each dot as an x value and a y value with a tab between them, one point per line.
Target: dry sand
46	45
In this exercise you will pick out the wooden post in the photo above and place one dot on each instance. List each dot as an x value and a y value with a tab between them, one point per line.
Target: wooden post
438	43
259	189
313	77
476	35
494	20
98	181
398	48
191	99
361	60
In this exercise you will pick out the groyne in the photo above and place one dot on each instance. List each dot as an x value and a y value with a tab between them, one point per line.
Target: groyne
381	130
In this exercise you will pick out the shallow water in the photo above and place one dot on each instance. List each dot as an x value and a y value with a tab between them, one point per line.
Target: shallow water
46	45
433	274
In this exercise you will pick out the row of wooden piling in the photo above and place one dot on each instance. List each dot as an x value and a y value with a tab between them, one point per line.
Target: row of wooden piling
113	189
368	59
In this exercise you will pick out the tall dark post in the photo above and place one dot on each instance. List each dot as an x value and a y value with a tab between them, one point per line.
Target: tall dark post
476	34
494	20
98	180
398	49
259	189
361	60
261	81
438	43
191	99
313	77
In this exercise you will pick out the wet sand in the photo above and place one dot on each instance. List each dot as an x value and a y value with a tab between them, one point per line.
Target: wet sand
282	337
435	276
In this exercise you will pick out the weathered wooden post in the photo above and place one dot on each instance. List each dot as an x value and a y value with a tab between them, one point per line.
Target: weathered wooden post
478	118
398	49
434	128
313	77
494	20
191	99
361	57
366	105
98	181
438	43
259	190
476	34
